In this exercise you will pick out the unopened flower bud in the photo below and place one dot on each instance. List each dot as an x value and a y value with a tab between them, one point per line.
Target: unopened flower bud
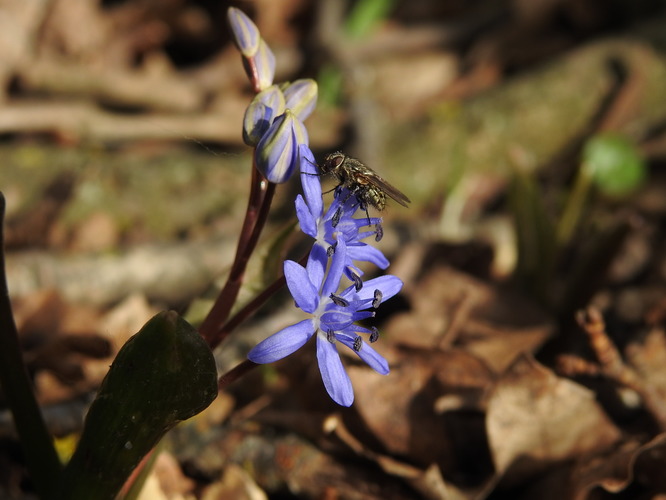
301	132
260	68
277	151
259	115
245	33
301	97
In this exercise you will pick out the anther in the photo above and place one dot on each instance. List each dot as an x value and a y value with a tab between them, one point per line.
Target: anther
358	283
374	336
331	250
379	232
358	343
339	301
330	336
378	299
336	217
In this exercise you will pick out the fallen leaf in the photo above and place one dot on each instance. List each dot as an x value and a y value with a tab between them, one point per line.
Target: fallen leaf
535	419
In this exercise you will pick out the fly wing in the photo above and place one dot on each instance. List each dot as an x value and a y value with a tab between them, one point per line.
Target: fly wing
392	192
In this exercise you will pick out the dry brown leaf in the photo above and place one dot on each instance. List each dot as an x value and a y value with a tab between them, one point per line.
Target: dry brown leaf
649	360
535	419
235	483
423	408
615	471
453	308
60	338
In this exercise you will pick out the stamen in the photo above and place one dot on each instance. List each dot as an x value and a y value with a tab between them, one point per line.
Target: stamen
358	283
358	343
331	250
379	232
336	217
378	299
339	301
330	336
374	336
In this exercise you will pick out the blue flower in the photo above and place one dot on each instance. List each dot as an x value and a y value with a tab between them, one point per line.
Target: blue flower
333	318
337	219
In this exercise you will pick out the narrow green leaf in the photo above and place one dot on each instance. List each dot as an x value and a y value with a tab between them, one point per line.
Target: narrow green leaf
535	235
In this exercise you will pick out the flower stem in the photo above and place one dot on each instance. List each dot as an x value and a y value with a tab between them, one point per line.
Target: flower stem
235	373
261	196
40	455
251	307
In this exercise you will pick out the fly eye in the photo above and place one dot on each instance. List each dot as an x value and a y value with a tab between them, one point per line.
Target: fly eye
337	161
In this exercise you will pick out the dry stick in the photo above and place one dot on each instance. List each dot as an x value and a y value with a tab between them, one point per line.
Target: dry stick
40	455
612	365
261	196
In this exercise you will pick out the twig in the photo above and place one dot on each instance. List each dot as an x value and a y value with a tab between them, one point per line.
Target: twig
611	365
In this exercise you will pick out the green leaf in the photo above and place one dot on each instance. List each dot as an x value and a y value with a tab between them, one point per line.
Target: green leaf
614	164
365	15
162	375
535	235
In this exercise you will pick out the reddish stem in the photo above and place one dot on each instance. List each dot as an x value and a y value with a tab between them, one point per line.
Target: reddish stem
261	196
235	373
251	307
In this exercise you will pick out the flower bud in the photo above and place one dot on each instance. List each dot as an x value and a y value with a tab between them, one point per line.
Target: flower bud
256	121
277	152
261	68
259	115
301	132
245	33
301	97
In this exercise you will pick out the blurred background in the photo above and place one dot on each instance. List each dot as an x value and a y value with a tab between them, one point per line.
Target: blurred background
530	136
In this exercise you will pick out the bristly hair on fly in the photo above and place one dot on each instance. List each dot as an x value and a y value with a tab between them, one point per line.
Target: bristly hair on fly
361	181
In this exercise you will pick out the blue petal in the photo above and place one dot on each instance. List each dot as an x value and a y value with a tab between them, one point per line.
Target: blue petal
368	253
373	359
300	287
310	181
335	320
316	265
335	271
333	374
305	218
282	343
389	286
